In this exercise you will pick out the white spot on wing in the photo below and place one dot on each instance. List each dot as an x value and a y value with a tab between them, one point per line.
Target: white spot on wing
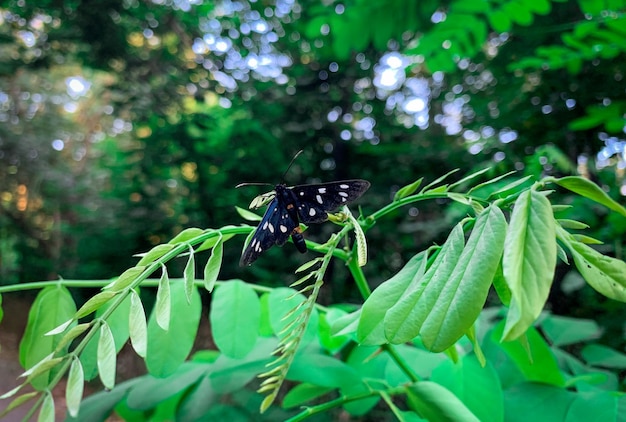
301	193
344	186
283	228
271	227
312	212
319	199
265	225
322	190
344	194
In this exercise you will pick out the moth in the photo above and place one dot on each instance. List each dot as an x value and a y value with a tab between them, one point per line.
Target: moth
291	206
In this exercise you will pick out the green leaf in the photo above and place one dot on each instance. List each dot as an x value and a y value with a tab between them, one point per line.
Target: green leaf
436	403
404	319
456	302
437	180
588	189
46	413
529	260
137	325
186	235
74	387
477	387
282	301
53	306
599	355
563	331
605	274
572	224
542	368
470	177
332	343
596	406
94	303
167	350
41	367
407	190
189	274
235	317
322	370
125	279
118	322
370	329
303	393
509	188
162	306
155	253
213	266
17	402
308	264
106	357
248	215
152	391
546	403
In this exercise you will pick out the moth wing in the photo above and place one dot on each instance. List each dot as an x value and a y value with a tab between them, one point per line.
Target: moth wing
274	229
314	202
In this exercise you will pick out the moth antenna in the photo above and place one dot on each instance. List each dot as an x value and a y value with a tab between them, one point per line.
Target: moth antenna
291	163
252	184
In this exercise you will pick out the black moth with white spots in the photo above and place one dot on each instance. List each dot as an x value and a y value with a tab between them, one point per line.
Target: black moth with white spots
291	206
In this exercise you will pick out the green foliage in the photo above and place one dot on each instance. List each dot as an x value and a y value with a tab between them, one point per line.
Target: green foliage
393	346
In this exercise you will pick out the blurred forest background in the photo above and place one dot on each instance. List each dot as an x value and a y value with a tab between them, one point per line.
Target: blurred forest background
123	122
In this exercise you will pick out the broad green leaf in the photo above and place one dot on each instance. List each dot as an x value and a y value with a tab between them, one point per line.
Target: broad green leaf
155	253
106	357
322	370
152	391
546	403
162	306
529	260
588	189
235	317
53	306
403	320
167	350
248	215
46	413
595	406
605	274
456	302
118	322
370	330
332	343
125	279
477	387
346	324
541	367
407	190
137	325
186	235
213	266
599	355
436	403
99	406
303	393
197	402
94	303
563	331
17	402
74	387
189	274
282	301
